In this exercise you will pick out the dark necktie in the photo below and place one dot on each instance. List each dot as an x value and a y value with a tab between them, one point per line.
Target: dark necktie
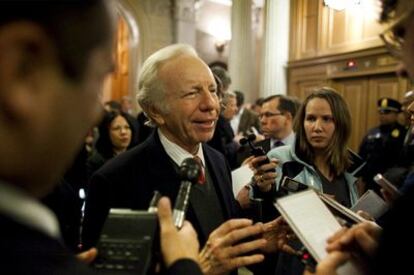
278	143
201	178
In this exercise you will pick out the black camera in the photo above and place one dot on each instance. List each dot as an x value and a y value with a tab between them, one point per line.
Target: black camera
126	243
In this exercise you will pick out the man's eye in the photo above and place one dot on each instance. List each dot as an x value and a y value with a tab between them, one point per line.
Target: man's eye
191	94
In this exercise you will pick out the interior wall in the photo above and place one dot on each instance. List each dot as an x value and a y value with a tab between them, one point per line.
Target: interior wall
342	49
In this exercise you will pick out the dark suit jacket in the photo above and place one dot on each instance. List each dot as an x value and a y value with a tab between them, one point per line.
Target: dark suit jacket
27	251
129	180
223	141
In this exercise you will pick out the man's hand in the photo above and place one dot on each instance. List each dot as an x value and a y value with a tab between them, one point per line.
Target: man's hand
330	263
243	197
264	175
277	233
363	237
87	256
224	252
176	244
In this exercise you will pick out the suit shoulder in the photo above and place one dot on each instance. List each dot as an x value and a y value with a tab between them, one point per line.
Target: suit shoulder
212	152
125	161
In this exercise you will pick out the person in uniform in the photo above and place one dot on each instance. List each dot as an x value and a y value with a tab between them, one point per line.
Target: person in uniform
380	148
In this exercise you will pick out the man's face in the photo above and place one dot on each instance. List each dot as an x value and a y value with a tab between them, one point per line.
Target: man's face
388	117
230	109
193	104
273	122
68	110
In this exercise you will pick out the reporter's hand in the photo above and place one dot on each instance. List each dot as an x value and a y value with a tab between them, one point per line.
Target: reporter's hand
365	215
362	238
243	197
388	197
87	256
223	251
330	263
277	233
175	245
265	174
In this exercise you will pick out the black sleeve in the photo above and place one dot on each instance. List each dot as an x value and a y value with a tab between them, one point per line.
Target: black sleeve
184	267
96	210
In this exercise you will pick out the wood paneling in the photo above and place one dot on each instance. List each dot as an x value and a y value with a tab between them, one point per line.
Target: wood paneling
354	91
361	86
119	78
320	31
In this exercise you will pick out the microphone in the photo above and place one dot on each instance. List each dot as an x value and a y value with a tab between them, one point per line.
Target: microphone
154	201
190	170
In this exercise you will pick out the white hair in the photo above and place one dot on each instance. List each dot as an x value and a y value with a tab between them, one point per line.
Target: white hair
151	90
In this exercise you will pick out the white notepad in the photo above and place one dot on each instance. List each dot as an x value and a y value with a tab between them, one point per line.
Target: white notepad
240	177
371	203
313	224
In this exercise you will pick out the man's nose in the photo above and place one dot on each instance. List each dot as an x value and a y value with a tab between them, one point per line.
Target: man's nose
210	100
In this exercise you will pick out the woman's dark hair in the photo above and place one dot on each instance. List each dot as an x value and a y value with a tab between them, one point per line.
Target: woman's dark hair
75	27
104	144
337	153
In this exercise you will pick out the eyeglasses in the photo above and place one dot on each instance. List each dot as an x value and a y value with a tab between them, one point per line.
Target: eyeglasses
269	114
394	36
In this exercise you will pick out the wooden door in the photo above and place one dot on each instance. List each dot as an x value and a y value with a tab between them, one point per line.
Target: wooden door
355	92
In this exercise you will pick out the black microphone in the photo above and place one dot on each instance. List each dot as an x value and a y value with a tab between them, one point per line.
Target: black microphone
190	170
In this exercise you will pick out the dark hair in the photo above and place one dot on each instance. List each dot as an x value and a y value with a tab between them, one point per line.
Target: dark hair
388	8
259	101
114	105
223	75
104	144
219	86
239	98
286	103
74	27
337	153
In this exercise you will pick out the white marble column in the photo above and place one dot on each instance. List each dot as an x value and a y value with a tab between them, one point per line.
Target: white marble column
184	19
241	62
275	51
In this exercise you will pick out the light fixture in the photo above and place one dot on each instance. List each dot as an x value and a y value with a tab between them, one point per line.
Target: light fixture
341	4
219	29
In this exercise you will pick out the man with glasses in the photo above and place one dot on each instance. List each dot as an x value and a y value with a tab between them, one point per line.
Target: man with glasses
381	146
381	250
276	120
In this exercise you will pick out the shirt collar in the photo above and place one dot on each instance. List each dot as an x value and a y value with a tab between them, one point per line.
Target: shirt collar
26	210
176	153
289	140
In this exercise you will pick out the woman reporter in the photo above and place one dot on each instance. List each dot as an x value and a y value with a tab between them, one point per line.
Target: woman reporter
320	157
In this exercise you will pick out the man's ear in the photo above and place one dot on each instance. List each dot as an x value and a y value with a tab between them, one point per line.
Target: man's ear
25	50
289	116
155	115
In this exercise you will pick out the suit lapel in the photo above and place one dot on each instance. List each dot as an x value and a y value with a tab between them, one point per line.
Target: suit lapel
219	181
161	167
